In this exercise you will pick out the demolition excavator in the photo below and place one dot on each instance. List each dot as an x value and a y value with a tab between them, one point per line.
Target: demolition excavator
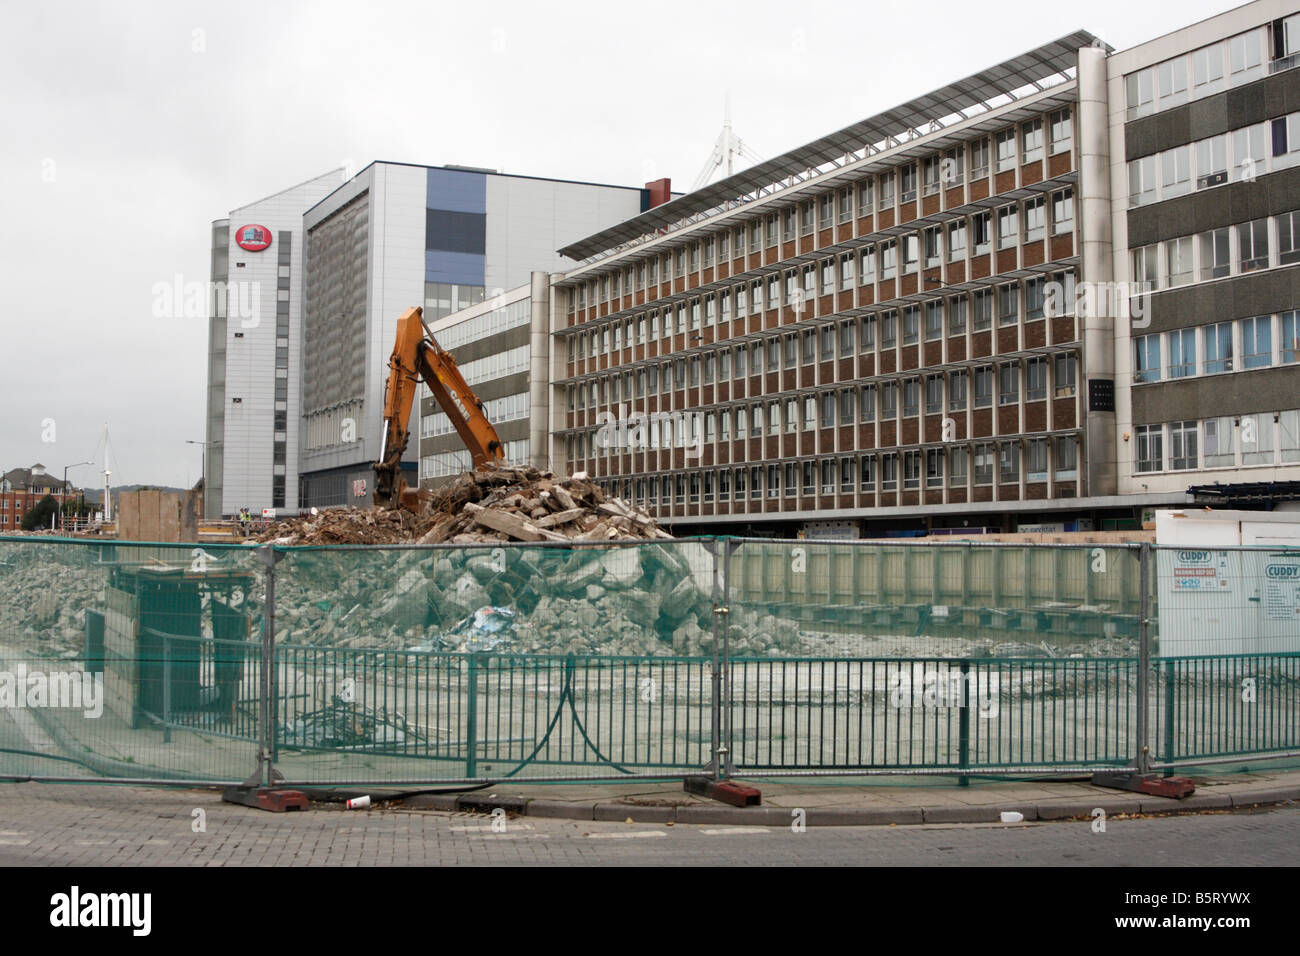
417	357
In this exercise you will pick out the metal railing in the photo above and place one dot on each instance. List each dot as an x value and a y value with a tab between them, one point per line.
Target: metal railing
402	664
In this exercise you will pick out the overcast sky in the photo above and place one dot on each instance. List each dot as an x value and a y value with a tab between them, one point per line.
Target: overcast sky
127	127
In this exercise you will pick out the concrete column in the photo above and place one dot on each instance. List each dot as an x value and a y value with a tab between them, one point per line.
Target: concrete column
539	378
1096	311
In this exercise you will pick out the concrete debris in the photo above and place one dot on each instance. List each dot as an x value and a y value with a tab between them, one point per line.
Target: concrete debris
504	504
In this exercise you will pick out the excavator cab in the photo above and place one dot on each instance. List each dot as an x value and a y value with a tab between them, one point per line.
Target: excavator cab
418	357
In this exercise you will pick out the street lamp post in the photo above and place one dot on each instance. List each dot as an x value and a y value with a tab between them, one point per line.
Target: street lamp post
204	469
63	492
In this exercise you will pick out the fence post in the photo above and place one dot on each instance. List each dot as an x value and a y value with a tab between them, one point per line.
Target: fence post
963	731
265	774
715	706
471	721
1142	755
167	688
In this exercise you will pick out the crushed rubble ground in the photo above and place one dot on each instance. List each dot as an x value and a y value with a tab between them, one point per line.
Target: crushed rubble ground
504	504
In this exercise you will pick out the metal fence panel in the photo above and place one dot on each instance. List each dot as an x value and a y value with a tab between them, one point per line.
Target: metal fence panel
124	660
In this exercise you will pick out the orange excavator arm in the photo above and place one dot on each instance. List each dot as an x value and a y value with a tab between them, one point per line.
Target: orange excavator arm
418	357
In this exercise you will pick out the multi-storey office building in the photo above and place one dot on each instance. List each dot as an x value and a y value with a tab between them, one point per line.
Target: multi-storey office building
255	305
1205	188
398	235
878	325
502	349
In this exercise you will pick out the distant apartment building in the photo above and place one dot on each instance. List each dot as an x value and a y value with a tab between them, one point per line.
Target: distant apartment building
22	488
398	235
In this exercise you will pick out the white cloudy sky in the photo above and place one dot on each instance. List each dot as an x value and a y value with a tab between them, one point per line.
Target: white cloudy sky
124	132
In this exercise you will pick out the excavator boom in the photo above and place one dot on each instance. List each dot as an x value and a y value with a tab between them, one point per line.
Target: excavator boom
418	357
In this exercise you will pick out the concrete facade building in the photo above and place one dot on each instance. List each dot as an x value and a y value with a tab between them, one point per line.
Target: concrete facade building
398	235
1205	201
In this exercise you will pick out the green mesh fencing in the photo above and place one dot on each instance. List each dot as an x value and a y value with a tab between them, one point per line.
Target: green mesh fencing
882	656
387	665
138	661
464	662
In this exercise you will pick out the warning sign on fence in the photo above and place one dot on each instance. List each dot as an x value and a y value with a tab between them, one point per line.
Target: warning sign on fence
1282	591
1201	571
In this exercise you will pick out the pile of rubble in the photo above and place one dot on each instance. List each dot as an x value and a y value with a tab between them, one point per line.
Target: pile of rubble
504	504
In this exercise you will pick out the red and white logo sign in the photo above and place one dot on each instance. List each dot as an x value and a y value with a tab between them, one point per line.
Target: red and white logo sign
252	238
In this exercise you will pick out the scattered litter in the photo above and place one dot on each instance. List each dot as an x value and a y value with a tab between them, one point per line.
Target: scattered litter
359	803
1012	816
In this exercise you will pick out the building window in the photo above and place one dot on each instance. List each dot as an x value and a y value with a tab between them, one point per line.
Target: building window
1067	458
1215	261
1218	348
889	471
1146	364
957	315
1252	244
981	232
983	464
1036	459
1061	130
911	470
933	394
791	479
889	400
983	310
867	472
1257	439
933	319
957	392
1257	341
1182	446
1290	336
1035	219
1008	463
911	325
957	241
808	477
1008	384
773	480
1178	260
958	467
1288	238
1150	448
932	239
1142	181
1007	226
1032	133
930	175
979	159
1217	433
911	397
1182	352
1035	379
1008	304
1006	149
1062	212
907	182
984	387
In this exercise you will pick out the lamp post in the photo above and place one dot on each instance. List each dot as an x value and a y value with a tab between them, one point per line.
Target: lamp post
204	469
63	492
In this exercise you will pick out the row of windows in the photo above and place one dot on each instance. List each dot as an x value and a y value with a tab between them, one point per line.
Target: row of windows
452	463
489	323
1212	69
1228	250
444	298
498	365
1034	298
1206	163
505	409
1023	143
974	235
1256	342
718	365
954	392
957	467
1265	438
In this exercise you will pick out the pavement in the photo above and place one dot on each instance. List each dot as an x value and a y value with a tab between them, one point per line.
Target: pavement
855	802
